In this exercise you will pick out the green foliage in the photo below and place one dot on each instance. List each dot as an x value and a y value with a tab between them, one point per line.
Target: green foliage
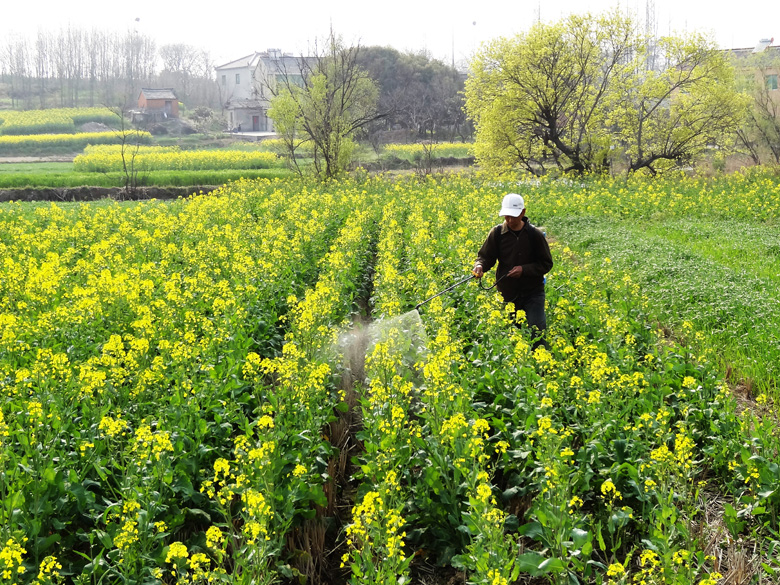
173	407
760	134
416	92
672	116
542	99
153	178
333	101
588	93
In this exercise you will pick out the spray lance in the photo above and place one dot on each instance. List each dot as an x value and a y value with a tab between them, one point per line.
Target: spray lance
463	280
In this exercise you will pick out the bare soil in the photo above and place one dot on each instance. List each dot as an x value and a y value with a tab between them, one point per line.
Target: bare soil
33	159
97	193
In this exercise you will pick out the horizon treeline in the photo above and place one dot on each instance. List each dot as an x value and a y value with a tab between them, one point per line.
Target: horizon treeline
89	67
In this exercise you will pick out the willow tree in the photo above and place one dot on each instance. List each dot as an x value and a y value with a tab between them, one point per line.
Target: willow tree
579	95
325	106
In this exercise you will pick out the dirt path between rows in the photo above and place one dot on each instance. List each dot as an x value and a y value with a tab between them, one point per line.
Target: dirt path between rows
97	193
34	159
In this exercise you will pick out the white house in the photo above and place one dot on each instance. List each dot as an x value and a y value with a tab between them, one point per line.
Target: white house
246	86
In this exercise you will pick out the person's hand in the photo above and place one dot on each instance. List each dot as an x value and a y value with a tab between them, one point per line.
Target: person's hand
516	272
477	271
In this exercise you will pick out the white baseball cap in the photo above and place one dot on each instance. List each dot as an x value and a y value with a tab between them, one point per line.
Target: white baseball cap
512	205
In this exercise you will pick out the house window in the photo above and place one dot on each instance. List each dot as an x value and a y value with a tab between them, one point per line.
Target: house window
238	79
771	81
292	78
224	80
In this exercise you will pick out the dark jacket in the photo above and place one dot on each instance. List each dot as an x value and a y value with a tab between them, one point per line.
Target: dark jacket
527	248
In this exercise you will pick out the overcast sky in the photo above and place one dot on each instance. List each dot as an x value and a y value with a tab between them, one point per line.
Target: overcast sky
455	28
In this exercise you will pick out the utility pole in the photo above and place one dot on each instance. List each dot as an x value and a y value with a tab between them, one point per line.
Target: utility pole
651	33
453	46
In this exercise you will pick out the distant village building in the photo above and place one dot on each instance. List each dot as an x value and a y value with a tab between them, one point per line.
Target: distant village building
246	87
766	74
155	105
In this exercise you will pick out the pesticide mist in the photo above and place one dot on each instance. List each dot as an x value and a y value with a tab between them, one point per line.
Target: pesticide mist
406	331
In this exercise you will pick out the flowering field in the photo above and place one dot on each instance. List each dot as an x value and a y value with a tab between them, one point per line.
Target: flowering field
108	158
52	121
12	144
179	401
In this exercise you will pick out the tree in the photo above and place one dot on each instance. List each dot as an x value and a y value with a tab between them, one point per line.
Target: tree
416	93
189	70
757	78
180	62
16	62
673	115
130	144
66	63
325	103
578	94
542	99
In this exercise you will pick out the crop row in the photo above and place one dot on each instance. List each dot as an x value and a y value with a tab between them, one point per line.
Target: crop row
599	450
52	121
149	313
490	421
58	181
178	403
72	142
732	303
114	158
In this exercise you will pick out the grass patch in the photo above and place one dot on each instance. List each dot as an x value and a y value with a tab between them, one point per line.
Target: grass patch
35	168
714	282
55	179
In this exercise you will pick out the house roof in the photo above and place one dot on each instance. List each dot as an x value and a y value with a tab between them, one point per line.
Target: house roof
248	61
251	61
763	46
159	94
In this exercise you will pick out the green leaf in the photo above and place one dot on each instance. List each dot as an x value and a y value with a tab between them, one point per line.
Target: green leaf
515	572
101	471
529	563
600	538
580	537
461	562
356	570
49	474
553	565
104	539
533	530
587	549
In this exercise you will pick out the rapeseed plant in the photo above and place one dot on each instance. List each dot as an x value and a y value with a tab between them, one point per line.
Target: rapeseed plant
142	357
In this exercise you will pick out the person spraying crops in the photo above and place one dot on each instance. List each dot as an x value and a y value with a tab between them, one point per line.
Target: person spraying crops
523	257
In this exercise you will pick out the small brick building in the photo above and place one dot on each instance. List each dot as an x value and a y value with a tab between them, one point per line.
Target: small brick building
158	103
